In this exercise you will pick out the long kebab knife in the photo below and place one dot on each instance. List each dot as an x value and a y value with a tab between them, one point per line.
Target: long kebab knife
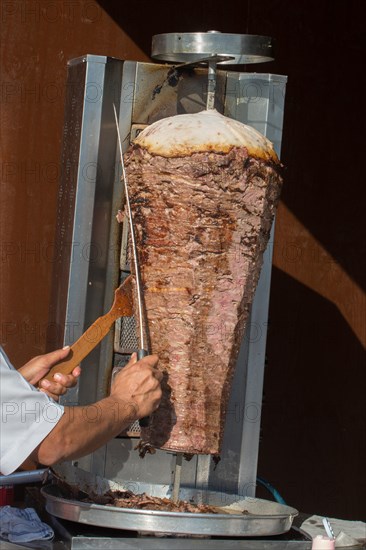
143	349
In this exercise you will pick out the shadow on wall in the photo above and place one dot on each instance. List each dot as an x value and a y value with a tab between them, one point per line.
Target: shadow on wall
314	414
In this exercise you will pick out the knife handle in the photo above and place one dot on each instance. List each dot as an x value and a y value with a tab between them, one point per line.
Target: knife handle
143	422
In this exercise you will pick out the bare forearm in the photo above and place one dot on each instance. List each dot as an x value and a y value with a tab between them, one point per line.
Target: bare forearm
135	393
81	430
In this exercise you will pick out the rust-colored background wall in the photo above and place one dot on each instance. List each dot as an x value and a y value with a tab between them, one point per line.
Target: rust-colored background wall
313	418
38	38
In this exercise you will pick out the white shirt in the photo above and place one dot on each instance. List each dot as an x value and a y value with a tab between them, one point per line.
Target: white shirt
27	416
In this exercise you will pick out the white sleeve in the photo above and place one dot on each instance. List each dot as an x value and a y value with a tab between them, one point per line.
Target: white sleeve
27	417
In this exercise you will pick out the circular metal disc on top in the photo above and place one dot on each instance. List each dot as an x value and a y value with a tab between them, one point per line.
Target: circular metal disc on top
194	46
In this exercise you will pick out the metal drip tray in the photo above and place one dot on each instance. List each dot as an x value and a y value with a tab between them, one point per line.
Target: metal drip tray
260	517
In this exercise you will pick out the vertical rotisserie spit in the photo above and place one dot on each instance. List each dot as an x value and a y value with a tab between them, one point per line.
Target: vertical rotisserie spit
203	191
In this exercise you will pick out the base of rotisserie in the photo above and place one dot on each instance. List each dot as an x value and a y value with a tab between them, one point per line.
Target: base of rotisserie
200	512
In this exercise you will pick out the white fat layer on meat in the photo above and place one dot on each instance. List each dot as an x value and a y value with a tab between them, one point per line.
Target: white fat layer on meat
183	135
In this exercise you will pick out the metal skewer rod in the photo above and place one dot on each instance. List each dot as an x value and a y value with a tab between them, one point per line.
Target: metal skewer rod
177	476
143	351
211	85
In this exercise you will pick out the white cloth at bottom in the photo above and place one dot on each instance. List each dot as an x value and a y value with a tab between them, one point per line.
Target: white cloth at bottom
23	525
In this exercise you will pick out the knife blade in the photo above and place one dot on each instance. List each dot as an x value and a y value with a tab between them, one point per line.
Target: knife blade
143	349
